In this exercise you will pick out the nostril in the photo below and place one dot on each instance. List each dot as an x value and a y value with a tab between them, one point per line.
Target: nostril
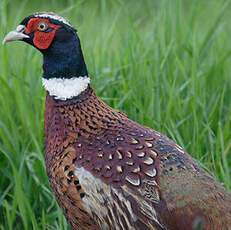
20	28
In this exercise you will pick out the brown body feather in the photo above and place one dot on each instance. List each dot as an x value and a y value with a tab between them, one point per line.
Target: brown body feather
98	159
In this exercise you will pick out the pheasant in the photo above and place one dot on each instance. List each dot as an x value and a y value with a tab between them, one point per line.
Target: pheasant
107	171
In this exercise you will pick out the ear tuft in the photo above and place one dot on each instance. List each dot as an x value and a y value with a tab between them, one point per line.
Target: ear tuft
53	16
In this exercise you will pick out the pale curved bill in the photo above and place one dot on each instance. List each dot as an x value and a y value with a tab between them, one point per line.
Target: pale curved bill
14	36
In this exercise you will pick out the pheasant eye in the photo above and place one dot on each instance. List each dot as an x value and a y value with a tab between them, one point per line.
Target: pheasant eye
42	26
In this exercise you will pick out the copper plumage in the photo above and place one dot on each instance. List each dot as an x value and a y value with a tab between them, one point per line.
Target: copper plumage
148	170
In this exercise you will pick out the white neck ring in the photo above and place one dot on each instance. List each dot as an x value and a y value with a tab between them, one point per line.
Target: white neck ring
66	88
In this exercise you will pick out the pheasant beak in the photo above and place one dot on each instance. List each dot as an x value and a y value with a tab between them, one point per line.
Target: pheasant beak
15	35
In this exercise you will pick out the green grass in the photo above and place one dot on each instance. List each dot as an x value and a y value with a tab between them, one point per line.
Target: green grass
165	63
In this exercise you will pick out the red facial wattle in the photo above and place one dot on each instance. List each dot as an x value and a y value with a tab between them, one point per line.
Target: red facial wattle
42	39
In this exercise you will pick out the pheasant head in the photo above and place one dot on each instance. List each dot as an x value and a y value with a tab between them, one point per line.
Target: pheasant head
60	46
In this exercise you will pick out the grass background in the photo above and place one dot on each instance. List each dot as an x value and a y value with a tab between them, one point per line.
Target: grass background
165	63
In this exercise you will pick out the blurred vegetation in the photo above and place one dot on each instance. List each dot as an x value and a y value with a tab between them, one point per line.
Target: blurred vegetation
165	63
